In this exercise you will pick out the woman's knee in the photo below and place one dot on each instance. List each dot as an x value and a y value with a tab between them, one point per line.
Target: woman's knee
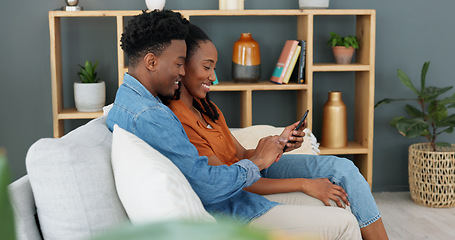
345	166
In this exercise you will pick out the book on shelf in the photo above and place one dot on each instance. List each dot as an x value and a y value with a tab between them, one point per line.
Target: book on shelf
302	59
298	73
284	61
291	67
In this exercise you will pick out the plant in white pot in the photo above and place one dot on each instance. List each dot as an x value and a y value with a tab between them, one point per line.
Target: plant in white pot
343	47
90	92
432	164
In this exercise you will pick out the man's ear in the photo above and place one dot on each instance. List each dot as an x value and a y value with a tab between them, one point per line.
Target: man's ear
150	61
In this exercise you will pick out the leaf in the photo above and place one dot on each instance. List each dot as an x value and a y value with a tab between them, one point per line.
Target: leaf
412	127
431	93
425	67
437	113
446	122
96	65
406	81
448	100
448	130
413	112
443	144
88	66
389	100
395	120
425	133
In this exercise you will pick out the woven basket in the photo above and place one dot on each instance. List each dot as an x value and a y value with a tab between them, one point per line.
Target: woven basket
432	175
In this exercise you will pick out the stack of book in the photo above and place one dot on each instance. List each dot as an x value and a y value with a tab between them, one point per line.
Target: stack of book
287	66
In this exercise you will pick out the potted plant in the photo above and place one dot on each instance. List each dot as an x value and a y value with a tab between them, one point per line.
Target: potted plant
89	93
431	165
343	47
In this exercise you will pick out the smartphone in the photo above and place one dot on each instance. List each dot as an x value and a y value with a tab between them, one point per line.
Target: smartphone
298	127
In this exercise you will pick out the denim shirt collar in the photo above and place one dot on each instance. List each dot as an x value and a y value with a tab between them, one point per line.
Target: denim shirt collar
137	86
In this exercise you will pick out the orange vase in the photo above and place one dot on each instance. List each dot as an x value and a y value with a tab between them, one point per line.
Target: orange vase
246	59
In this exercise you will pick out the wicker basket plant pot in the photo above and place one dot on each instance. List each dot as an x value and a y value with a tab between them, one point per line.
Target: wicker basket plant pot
432	175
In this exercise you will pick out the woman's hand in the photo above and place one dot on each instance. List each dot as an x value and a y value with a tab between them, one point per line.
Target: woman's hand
294	137
324	190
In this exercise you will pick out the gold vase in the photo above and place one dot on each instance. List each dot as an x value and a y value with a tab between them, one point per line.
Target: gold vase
334	123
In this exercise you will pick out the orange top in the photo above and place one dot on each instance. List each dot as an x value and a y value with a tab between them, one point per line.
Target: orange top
208	141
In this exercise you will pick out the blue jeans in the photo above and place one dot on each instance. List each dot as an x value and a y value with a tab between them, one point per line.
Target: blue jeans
339	171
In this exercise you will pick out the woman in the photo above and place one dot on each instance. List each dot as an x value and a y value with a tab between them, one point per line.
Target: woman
322	177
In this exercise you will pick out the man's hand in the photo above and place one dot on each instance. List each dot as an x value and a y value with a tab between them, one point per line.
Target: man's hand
324	190
268	151
294	137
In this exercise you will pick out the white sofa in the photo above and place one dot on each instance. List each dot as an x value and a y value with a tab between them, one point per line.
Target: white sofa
70	192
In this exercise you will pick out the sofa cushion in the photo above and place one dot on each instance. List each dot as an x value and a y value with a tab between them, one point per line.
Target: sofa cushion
72	181
149	185
250	136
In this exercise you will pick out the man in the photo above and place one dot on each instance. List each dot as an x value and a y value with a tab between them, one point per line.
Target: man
155	46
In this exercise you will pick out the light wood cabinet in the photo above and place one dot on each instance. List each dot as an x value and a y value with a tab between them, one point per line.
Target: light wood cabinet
361	147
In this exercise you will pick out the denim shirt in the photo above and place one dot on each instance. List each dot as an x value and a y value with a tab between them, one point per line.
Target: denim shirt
220	188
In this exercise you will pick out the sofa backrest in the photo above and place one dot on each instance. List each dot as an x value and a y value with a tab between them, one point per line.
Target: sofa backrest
72	183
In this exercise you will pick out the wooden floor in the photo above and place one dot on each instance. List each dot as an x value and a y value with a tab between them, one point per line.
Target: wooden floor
404	219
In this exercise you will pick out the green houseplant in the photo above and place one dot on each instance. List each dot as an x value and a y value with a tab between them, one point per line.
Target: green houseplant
90	92
87	73
431	116
431	165
343	47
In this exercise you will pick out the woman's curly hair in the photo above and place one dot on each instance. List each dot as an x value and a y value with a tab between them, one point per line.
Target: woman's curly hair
152	32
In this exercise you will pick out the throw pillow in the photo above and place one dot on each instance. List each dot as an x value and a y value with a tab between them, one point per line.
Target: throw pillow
150	186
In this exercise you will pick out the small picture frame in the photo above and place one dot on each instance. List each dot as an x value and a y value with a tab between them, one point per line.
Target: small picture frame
231	4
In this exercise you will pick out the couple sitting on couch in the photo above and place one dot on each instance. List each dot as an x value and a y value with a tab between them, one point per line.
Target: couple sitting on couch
169	58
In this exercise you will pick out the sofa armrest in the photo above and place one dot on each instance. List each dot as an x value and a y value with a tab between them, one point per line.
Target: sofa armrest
24	209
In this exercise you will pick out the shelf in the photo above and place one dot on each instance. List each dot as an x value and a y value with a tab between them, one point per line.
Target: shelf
261	85
250	12
332	67
72	113
364	68
352	148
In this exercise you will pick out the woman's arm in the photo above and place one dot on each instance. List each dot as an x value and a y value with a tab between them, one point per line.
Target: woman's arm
320	188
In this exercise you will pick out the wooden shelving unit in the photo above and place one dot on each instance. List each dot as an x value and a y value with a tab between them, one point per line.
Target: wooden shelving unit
361	147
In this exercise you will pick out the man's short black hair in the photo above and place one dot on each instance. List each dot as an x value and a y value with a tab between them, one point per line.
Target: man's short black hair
152	32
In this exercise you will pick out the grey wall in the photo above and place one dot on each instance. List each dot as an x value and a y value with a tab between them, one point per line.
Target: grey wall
409	32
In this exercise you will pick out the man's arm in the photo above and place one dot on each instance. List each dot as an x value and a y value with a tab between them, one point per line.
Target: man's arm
162	130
